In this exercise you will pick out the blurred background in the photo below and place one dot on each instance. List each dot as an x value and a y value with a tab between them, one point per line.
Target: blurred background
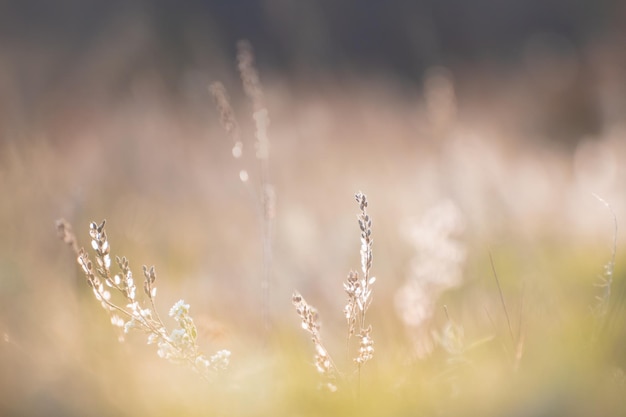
478	129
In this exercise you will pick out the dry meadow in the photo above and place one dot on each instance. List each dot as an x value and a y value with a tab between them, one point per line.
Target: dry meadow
493	229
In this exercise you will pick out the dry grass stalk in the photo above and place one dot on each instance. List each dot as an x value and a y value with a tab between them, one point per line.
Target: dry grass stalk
229	123
249	75
323	362
179	345
265	197
253	89
358	289
610	303
606	280
65	232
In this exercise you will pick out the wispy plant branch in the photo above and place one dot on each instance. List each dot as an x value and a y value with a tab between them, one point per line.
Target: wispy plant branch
180	344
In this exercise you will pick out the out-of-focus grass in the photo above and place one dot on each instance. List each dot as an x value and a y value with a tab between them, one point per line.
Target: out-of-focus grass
167	186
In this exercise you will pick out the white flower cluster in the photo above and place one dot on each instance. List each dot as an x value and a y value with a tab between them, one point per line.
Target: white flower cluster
180	345
216	363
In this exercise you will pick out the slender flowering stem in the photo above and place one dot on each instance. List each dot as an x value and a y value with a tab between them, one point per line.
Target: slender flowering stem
179	345
358	289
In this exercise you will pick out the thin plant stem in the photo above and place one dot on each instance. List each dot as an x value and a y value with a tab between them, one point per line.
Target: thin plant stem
506	311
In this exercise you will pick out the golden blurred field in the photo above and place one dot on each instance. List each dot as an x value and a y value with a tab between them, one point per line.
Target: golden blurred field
458	169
